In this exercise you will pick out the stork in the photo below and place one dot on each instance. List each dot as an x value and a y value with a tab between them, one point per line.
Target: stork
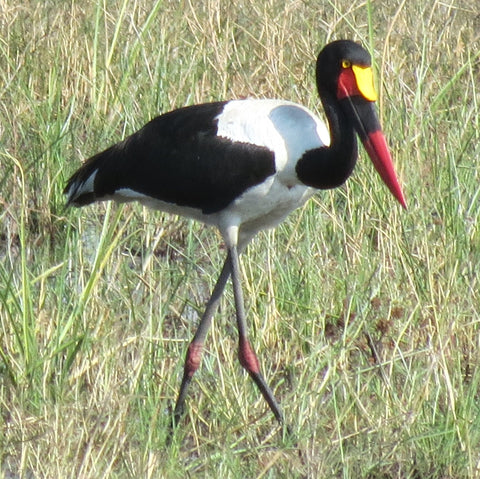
243	166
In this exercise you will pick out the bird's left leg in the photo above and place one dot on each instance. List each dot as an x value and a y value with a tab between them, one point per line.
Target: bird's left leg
246	354
194	352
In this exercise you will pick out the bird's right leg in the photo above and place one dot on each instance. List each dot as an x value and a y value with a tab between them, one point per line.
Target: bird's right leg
195	349
246	354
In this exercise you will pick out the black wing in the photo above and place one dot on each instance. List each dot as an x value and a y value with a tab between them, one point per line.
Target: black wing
178	158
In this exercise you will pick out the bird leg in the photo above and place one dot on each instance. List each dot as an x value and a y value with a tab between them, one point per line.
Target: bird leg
195	349
246	354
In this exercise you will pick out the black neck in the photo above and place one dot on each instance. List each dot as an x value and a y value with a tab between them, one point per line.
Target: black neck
329	167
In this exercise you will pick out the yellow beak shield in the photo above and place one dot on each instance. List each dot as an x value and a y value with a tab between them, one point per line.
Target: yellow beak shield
364	79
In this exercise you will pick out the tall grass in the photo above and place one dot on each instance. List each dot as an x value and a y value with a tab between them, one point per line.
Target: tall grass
365	317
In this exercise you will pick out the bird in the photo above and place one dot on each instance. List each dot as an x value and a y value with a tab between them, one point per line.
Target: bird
243	165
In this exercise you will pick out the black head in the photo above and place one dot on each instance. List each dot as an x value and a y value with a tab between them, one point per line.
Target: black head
332	60
346	88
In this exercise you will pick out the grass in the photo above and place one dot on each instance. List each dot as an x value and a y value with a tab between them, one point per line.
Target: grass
365	317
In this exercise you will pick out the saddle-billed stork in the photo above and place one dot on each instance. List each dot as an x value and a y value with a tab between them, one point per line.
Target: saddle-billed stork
244	165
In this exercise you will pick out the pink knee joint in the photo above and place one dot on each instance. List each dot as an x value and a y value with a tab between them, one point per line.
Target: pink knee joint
194	357
248	358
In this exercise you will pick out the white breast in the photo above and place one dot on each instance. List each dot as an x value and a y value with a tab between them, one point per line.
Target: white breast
289	130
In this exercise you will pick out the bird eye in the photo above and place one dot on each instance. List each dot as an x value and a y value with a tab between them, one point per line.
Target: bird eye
346	64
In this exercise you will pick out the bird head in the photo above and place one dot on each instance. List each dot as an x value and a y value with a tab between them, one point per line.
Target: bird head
344	76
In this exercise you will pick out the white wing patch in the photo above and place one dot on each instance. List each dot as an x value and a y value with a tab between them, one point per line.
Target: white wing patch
286	128
247	121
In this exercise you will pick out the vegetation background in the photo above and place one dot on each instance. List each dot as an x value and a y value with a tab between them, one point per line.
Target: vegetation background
365	316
